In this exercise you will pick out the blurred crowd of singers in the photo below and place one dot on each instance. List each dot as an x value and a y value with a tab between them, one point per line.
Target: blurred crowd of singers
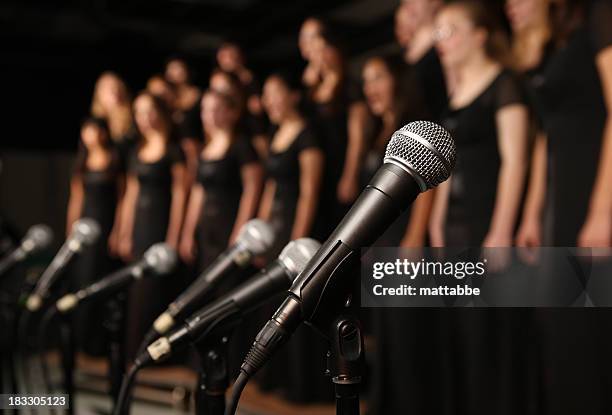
189	164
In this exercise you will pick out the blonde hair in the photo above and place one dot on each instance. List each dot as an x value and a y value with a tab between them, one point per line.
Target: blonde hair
119	120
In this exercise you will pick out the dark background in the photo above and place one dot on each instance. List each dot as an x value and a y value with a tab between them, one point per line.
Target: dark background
54	50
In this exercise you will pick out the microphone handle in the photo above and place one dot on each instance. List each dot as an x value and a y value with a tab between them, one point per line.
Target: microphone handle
226	263
54	269
388	194
11	259
112	282
248	296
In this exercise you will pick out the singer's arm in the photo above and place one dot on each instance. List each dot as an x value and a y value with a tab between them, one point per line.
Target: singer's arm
512	126
252	178
597	229
437	219
128	210
348	186
311	167
177	207
192	217
75	203
267	199
530	231
416	230
114	237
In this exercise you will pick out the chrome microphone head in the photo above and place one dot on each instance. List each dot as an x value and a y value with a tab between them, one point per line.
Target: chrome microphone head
256	236
160	258
37	238
425	150
297	253
86	231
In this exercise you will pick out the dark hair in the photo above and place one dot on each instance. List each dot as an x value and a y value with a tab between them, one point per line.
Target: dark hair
178	58
290	79
237	85
293	83
81	157
565	17
162	110
229	100
407	96
497	45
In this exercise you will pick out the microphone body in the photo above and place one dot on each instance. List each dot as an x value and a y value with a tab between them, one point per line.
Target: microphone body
84	233
270	281
255	238
36	239
159	258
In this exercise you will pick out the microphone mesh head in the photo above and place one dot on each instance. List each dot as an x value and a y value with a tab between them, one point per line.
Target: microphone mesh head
256	236
161	258
86	231
425	150
297	253
37	238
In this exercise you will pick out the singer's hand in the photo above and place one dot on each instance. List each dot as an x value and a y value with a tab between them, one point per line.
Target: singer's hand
498	258
187	250
596	231
529	234
348	190
125	249
436	236
113	243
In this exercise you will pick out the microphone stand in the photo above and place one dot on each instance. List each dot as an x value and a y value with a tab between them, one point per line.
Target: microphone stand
67	347
213	376
115	324
344	363
336	320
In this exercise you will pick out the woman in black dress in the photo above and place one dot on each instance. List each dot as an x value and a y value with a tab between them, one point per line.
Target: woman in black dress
249	124
184	112
289	203
228	186
479	205
574	196
112	102
153	209
414	29
333	104
95	189
405	373
385	94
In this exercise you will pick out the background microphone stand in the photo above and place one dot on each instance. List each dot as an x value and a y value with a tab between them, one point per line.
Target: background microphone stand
213	377
115	326
67	351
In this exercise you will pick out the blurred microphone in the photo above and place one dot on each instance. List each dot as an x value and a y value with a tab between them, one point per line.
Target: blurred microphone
38	238
272	280
419	156
159	259
84	233
255	238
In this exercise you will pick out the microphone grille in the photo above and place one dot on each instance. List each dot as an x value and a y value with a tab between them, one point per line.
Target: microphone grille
426	150
256	236
86	231
297	254
161	258
37	238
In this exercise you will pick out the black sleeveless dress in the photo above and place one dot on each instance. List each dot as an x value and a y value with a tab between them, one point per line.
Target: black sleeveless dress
148	297
480	362
297	370
222	183
575	342
100	202
409	355
474	180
